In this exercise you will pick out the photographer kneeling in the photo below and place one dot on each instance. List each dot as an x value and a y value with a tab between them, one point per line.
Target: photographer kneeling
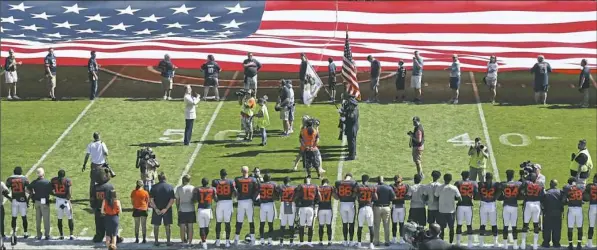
285	106
423	239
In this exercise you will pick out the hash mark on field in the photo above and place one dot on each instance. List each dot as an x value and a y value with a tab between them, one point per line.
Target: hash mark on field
206	131
496	172
338	177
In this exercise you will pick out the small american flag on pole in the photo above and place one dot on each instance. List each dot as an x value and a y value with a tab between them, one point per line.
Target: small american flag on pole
349	71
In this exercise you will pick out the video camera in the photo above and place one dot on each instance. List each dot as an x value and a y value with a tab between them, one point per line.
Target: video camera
526	169
241	93
415	234
312	122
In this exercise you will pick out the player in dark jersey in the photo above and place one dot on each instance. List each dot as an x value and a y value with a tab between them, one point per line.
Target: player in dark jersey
400	80
305	196
510	194
533	193
204	196
211	70
247	191
17	183
403	193
62	189
287	210
267	211
464	209
345	192
572	193
488	192
225	189
324	212
590	195
366	194
99	192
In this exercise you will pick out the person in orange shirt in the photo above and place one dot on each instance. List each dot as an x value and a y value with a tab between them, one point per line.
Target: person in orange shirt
309	139
111	210
140	200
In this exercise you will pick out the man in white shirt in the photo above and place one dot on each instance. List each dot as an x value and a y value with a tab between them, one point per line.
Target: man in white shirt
448	195
189	113
98	152
186	210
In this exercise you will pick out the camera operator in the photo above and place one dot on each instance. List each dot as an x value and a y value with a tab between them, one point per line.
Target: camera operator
581	163
479	154
349	118
528	168
147	165
98	152
417	143
432	241
285	106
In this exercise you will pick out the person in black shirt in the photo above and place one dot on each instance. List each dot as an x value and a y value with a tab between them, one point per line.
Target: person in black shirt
93	68
400	81
434	242
351	126
375	73
584	83
553	207
161	200
40	190
324	212
99	192
211	70
382	210
303	73
251	67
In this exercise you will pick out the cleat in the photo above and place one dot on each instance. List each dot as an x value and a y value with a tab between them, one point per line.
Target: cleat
394	240
345	243
359	245
217	244
371	246
227	244
204	244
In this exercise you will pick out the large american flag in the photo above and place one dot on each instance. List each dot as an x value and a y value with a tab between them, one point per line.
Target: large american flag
349	71
141	32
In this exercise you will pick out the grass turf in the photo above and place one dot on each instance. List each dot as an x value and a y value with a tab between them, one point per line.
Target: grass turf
30	128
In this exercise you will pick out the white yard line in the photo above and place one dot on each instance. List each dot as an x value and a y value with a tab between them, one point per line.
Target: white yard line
338	177
206	131
496	172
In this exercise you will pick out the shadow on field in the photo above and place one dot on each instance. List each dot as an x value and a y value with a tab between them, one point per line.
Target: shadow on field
277	171
566	107
144	99
156	144
292	178
253	153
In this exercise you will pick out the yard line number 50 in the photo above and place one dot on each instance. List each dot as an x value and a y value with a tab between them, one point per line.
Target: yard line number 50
509	139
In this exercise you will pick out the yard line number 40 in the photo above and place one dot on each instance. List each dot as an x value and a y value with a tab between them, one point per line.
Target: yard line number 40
509	139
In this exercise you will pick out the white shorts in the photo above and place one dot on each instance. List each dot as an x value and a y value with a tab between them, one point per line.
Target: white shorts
306	216
415	82
203	217
267	212
464	214
325	216
65	210
532	210
398	214
224	211
287	219
244	207
575	217
488	213
491	81
347	212
592	214
510	216
11	77
366	215
19	207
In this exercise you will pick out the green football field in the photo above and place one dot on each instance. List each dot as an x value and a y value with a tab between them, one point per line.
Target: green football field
53	135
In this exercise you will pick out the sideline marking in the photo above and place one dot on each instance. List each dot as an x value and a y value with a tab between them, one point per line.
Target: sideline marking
69	128
335	202
496	172
206	132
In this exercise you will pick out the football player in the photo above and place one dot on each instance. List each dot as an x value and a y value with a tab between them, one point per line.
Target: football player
464	209
287	209
344	191
488	191
510	195
591	196
204	196
403	193
324	212
366	194
20	199
224	190
572	193
533	193
305	197
267	211
62	189
247	190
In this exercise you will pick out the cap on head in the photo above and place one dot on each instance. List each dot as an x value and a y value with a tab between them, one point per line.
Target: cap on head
478	139
348	175
223	172
325	181
416	119
537	166
582	142
166	57
540	58
369	57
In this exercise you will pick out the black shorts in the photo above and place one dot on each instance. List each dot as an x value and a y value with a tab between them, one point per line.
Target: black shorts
454	83
446	220
583	175
541	88
432	216
400	83
166	218
311	159
417	215
211	82
186	217
139	213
